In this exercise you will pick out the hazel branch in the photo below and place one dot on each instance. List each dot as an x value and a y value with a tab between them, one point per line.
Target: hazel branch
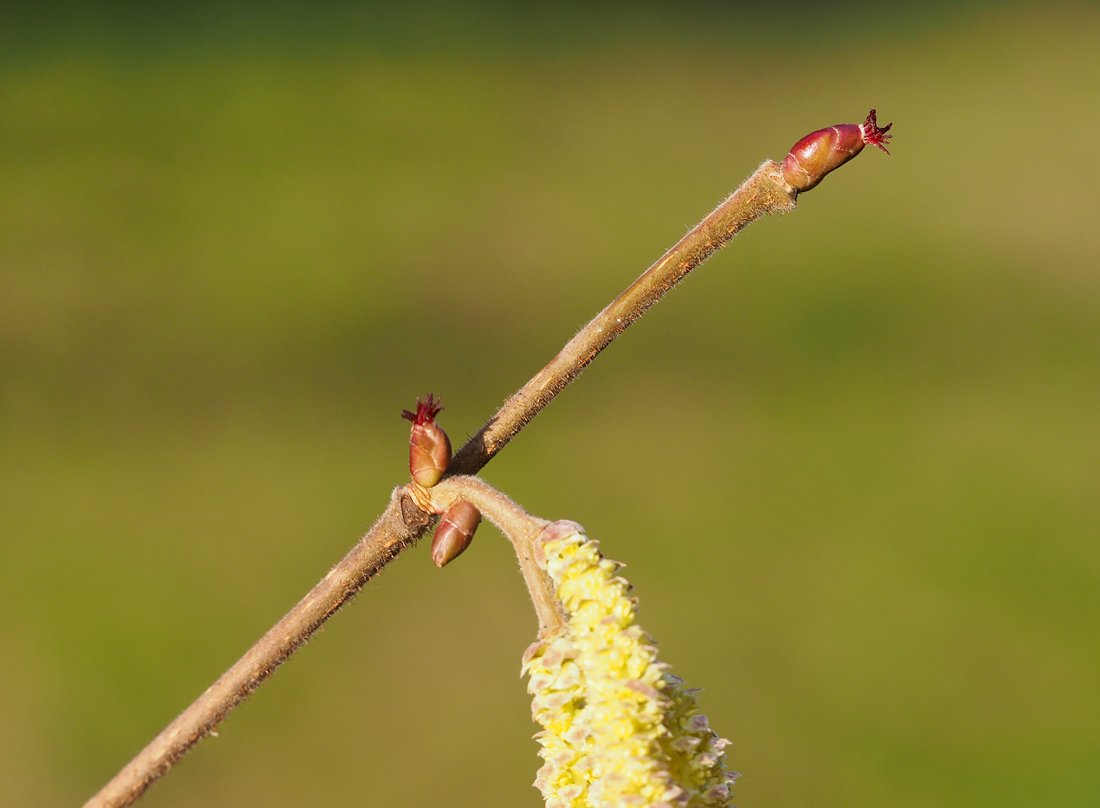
403	521
405	518
395	529
762	193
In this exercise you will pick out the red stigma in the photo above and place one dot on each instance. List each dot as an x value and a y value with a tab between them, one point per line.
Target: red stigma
872	134
426	411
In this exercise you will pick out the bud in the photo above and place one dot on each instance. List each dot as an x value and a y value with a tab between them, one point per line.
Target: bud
811	158
429	446
455	532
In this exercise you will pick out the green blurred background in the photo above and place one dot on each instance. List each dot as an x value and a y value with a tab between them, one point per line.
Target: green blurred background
853	463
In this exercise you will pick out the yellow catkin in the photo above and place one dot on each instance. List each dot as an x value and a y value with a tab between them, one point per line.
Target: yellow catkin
617	728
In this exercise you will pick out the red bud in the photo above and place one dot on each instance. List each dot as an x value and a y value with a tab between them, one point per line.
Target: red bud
815	155
455	532
429	446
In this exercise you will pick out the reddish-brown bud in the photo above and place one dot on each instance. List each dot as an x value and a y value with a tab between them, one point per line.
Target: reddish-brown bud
429	446
455	532
811	158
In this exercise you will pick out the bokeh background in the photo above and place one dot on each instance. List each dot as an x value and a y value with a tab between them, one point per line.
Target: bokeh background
852	463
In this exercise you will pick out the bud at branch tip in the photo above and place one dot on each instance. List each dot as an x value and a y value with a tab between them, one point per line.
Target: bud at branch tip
825	150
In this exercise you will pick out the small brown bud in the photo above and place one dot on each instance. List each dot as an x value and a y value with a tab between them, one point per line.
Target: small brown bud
455	532
820	152
429	446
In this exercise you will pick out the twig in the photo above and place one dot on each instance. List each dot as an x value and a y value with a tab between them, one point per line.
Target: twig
763	193
402	522
519	527
387	537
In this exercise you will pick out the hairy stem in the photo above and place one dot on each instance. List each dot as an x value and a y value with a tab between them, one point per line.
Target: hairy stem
394	530
520	528
403	520
762	193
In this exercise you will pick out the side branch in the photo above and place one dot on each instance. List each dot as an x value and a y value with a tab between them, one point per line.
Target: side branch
519	527
764	192
403	521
